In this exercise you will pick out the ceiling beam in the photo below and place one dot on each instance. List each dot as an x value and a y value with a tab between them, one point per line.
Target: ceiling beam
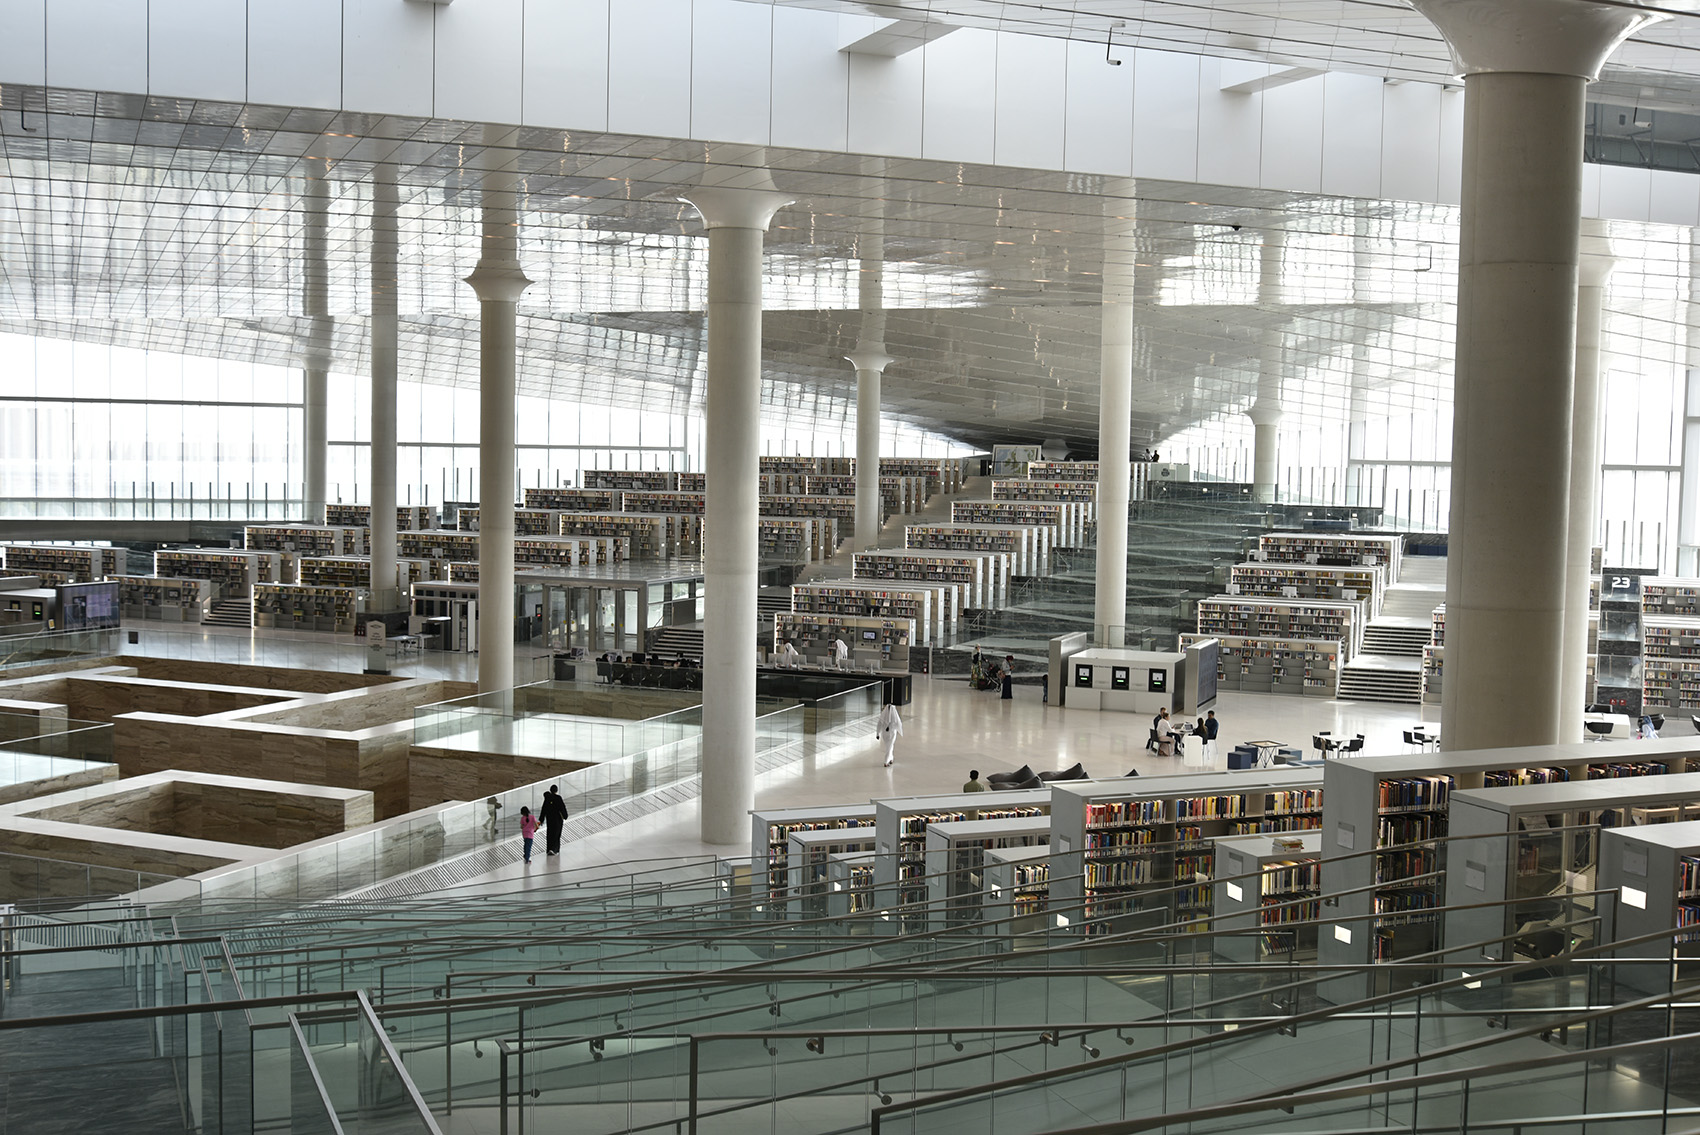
897	37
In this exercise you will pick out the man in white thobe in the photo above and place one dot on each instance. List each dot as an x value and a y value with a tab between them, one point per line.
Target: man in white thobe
889	730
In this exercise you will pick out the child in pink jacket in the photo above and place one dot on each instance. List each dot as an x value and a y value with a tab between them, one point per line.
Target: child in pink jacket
527	830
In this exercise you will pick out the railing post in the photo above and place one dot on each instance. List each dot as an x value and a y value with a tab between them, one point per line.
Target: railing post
691	1103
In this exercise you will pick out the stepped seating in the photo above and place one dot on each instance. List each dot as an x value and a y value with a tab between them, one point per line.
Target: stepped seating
1382	678
668	641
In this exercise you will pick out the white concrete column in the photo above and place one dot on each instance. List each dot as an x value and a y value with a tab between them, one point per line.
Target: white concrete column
1584	482
1265	412
315	305
1527	64
736	218
1115	415
499	283
385	233
870	509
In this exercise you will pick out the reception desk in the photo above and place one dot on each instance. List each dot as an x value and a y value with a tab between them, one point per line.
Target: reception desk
807	684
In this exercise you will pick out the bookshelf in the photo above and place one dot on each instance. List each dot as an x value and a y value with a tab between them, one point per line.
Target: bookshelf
571	551
527	521
407	516
807	466
839	508
936	476
574	500
968	571
445	544
1063	519
1556	828
1279	887
771	830
693	482
1311	581
1083	492
796	541
235	572
632	480
849	883
72	563
1319	620
693	504
1335	548
1028	544
1656	874
1372	803
1434	673
900	827
1018	884
1437	626
356	571
1307	667
806	860
647	534
298	607
1153	833
1661	595
308	539
954	862
168	600
875	644
924	605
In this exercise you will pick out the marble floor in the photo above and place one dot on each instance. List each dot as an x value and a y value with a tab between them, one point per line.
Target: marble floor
950	729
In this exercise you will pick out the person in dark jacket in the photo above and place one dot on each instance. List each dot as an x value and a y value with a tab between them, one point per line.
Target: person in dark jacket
554	817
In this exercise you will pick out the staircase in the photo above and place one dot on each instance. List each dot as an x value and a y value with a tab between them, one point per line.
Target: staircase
231	613
771	601
1389	668
675	641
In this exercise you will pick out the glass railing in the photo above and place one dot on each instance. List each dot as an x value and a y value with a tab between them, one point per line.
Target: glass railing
36	883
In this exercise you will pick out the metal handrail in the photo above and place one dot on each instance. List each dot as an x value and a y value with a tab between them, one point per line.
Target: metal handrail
394	1058
313	1072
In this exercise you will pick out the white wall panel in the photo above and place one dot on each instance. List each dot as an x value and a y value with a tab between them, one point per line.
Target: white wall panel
480	67
23	47
1292	136
959	86
1098	116
1351	135
811	82
1673	198
199	47
1165	114
97	45
1450	169
1230	124
649	67
1032	90
387	56
295	53
566	64
885	100
1625	193
1591	191
731	71
1410	141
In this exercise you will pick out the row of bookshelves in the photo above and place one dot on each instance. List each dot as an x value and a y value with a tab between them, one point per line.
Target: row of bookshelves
65	563
1272	665
168	600
871	644
236	572
980	577
1309	581
1339	548
1434	674
1029	546
574	500
308	539
1066	520
1311	620
928	607
407	516
298	607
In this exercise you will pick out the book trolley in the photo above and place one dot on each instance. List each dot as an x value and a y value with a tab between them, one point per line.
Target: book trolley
1113	840
1273	912
1656	874
1556	826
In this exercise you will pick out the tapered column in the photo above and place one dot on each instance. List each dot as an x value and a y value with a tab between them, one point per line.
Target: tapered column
736	220
1584	486
385	232
870	509
315	305
499	283
1115	414
1265	412
1527	65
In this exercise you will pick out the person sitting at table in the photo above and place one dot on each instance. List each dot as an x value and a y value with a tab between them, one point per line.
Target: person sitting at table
840	654
788	655
1165	734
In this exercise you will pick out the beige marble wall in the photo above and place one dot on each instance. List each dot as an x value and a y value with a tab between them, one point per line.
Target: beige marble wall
363	709
132	851
87	777
53	687
435	775
626	703
257	677
103	697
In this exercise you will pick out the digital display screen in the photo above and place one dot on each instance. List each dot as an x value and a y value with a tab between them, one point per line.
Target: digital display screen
1120	677
1083	676
870	636
1157	681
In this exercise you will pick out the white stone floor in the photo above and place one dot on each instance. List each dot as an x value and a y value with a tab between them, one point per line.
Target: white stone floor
950	729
